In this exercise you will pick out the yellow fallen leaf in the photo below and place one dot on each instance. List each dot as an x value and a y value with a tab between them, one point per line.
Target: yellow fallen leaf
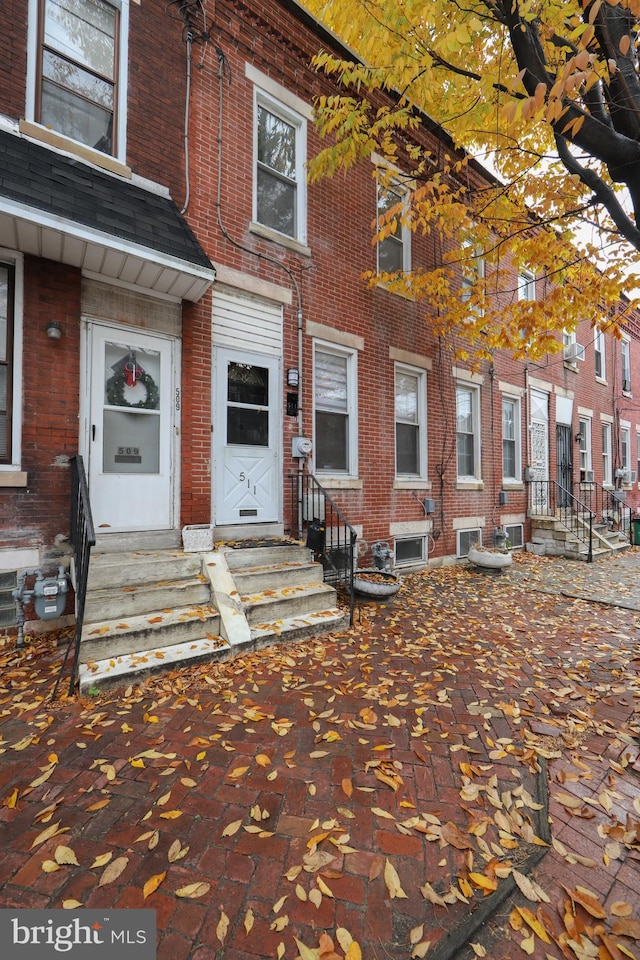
237	772
223	926
280	923
347	787
113	871
101	860
263	760
137	763
280	951
99	804
188	782
51	831
152	884
587	899
71	904
305	952
353	952
392	881
382	813
193	890
532	921
12	799
485	883
415	934
232	828
50	866
171	814
621	909
248	921
315	897
528	944
65	855
420	949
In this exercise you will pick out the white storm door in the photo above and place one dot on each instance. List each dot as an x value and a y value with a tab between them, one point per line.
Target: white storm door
539	432
131	429
247	431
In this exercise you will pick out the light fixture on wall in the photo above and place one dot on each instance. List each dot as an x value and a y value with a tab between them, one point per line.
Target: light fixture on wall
293	377
54	330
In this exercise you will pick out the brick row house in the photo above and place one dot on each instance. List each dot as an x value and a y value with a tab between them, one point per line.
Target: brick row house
178	306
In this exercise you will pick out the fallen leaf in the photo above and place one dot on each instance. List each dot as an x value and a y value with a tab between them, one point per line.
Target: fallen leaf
392	881
248	921
232	828
152	884
223	924
65	855
113	871
193	890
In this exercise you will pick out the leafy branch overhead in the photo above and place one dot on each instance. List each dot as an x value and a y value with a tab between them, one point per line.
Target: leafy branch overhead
546	95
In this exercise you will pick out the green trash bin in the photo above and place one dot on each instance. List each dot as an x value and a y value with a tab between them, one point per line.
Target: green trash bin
635	528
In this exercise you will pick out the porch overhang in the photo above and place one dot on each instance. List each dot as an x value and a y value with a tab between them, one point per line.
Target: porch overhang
61	209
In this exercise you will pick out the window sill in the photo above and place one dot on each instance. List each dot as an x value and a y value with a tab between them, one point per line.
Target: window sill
268	234
395	293
470	485
571	365
13	478
512	485
602	381
410	484
340	483
73	148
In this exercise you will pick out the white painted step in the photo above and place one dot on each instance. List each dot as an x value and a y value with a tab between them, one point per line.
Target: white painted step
113	638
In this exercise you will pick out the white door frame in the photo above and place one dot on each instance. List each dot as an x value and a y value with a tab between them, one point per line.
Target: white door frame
219	446
87	327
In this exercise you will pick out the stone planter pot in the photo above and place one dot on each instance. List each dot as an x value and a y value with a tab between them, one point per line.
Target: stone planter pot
370	582
197	538
488	558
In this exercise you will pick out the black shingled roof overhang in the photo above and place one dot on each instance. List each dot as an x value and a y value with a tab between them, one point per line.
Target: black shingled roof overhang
42	179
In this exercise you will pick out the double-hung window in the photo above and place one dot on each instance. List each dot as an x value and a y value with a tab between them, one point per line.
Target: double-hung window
526	285
625	448
81	70
599	352
394	250
585	446
335	411
468	432
410	410
607	474
511	440
280	155
625	363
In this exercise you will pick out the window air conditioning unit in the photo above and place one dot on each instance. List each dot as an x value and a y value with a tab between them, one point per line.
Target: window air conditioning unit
627	476
619	473
587	476
573	352
626	386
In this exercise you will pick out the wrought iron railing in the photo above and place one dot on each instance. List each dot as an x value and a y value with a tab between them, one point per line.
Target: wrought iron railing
609	506
550	499
83	538
317	519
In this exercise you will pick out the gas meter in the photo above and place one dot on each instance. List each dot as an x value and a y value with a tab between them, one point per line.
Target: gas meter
50	595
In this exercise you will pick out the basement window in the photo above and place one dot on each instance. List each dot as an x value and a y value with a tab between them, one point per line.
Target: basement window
8	582
410	550
466	539
515	535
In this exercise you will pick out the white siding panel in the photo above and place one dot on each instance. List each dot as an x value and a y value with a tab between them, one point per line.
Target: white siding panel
246	323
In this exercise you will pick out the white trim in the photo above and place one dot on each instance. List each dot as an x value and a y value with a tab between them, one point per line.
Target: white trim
476	433
420	376
505	387
468	523
410	528
606	418
517	438
351	357
276	90
459	373
16	260
236	280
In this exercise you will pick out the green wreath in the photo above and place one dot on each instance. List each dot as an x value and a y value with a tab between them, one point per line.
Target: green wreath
115	392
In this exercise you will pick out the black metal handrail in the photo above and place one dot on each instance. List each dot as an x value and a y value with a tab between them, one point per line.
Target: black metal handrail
316	517
608	505
83	538
551	499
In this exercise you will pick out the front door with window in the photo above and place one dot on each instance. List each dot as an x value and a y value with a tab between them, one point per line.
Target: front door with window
564	463
246	422
130	427
539	432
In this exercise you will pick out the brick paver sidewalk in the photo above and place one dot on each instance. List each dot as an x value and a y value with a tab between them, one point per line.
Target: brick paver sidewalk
386	786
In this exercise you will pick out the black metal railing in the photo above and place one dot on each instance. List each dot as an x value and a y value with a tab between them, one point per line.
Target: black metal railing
83	538
317	519
609	506
550	499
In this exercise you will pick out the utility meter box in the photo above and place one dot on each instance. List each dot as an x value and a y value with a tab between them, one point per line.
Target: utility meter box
50	596
301	447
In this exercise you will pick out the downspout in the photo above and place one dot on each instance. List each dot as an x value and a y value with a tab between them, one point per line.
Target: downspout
187	184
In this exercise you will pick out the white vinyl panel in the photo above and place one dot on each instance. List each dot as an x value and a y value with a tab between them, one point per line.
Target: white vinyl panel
246	323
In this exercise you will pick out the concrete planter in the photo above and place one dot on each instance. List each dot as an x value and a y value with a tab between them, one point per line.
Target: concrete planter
487	558
376	583
197	538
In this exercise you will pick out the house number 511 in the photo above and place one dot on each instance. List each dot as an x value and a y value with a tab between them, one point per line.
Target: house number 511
244	477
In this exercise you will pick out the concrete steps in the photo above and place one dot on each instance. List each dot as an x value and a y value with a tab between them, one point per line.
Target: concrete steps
148	610
550	537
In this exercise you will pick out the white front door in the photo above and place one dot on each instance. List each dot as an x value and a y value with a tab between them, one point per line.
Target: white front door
539	432
130	429
246	418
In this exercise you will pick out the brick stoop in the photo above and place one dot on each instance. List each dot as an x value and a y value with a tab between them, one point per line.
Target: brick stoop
150	610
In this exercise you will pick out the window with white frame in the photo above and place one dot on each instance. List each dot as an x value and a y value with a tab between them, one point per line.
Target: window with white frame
625	363
81	69
526	285
468	431
511	439
625	448
607	475
394	251
410	421
410	550
280	155
473	272
585	446
466	539
515	535
599	353
335	411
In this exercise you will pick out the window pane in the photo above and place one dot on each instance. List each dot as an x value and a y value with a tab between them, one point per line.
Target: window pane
464	411
84	31
407	457
3	412
76	80
247	427
509	458
409	550
248	384
406	397
276	203
466	458
276	144
390	255
331	441
6	276
76	118
508	420
331	381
